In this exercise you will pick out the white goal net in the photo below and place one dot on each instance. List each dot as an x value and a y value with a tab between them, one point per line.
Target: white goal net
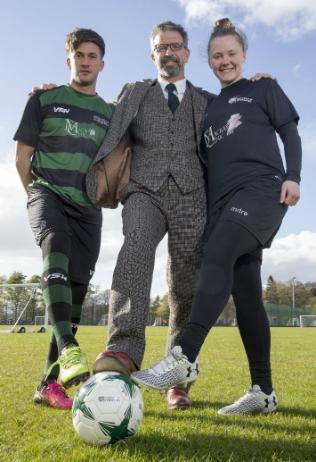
22	309
308	320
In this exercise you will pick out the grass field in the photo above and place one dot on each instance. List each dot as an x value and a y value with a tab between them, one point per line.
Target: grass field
30	434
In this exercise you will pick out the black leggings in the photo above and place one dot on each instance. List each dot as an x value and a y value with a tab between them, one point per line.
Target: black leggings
229	268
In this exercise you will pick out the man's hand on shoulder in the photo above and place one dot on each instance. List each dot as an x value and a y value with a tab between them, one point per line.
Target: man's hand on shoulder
44	86
261	75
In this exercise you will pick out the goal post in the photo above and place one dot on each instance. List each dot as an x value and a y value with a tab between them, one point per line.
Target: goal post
22	309
308	320
39	320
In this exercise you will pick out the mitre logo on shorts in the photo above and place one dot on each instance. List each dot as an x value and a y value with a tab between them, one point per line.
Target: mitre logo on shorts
237	99
240	211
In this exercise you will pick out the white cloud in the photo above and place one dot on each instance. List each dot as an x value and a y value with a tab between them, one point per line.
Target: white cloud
308	135
17	248
112	240
297	70
18	251
293	255
289	19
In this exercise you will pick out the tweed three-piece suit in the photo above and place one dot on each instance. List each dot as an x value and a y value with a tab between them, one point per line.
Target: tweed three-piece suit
165	194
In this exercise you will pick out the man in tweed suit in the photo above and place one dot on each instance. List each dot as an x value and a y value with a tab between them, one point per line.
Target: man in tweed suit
166	194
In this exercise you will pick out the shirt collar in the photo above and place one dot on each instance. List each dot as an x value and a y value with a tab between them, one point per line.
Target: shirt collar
180	85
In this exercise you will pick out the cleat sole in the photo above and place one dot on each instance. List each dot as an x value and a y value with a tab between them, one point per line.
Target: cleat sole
76	380
110	364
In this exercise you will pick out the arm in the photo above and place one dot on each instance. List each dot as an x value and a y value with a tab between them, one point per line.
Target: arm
23	163
27	136
290	191
284	119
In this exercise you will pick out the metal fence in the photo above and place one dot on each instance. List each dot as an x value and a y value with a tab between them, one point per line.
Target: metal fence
285	315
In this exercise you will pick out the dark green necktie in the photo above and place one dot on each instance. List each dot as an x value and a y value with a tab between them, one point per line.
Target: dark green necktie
173	100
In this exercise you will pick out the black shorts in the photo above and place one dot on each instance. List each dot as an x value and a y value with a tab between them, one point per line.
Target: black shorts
49	213
256	207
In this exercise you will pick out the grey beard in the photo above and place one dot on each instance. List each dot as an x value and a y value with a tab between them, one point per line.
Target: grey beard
167	71
170	71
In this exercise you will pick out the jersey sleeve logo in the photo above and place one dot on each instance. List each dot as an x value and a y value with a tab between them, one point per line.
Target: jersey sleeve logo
101	121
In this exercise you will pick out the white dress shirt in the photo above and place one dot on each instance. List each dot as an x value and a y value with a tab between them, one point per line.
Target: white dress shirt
180	86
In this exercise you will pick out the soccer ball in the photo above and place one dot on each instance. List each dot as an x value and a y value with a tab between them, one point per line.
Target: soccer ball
107	408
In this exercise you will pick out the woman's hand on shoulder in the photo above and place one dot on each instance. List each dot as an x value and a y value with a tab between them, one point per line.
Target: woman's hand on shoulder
290	193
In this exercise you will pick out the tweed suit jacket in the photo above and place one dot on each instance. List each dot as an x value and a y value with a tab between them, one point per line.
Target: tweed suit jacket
117	142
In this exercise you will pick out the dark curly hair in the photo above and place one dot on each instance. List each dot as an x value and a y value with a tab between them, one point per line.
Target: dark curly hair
78	36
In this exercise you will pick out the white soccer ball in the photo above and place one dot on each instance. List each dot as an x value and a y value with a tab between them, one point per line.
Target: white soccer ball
107	408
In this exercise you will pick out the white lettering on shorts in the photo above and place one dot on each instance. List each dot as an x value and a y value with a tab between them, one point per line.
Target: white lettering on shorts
240	211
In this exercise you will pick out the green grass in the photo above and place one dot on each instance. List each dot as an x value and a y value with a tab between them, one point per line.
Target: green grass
30	434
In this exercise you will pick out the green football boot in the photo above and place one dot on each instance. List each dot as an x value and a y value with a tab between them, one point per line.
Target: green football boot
73	366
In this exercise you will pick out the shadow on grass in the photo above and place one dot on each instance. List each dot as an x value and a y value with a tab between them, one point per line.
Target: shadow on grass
284	410
204	405
281	421
214	447
298	412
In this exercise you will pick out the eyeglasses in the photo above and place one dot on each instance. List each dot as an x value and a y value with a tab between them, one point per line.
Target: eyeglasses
163	47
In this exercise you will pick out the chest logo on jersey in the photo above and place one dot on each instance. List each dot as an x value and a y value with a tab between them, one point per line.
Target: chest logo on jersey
73	129
238	99
213	136
61	110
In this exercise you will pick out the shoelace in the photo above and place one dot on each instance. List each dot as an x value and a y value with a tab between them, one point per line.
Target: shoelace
250	393
166	364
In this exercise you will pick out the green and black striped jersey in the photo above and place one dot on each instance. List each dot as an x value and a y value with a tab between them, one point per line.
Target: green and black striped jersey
66	128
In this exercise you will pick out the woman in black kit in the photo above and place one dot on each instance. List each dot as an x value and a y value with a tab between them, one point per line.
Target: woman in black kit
249	192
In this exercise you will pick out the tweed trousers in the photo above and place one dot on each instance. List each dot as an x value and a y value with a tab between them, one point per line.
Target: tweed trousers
147	217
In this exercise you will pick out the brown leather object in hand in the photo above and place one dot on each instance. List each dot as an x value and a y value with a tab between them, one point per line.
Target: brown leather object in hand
107	177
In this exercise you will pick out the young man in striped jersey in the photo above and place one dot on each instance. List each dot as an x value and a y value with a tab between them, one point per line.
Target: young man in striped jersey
59	134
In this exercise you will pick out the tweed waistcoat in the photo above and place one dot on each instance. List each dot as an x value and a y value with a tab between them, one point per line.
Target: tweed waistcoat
165	143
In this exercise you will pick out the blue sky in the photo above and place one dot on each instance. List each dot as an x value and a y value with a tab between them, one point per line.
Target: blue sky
281	36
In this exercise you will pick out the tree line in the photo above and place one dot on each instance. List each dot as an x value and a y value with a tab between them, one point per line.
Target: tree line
282	299
277	296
